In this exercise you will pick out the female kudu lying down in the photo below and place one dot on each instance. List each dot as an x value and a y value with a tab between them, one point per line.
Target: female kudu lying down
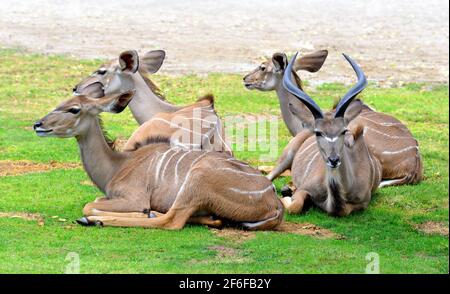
196	126
335	168
389	139
184	185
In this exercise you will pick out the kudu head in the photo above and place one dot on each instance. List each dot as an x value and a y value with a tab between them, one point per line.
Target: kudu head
116	76
270	72
330	128
73	116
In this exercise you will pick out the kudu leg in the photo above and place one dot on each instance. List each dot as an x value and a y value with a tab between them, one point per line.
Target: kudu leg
286	158
113	208
295	203
104	207
174	219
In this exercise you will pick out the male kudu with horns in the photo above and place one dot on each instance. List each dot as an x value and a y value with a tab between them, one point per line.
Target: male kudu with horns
334	168
388	138
179	185
195	126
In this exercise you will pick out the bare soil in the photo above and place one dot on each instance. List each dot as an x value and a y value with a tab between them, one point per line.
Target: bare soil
306	229
394	41
432	227
24	215
12	168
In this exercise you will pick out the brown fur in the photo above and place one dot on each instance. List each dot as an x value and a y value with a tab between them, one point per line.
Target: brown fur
404	167
180	185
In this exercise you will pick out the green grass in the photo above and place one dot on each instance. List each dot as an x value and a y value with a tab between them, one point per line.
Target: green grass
31	85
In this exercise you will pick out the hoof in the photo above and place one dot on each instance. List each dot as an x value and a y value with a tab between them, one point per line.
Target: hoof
84	221
286	191
98	223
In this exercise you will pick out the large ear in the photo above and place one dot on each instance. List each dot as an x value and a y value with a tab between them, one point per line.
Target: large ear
116	103
299	110
311	62
279	61
151	61
353	110
129	61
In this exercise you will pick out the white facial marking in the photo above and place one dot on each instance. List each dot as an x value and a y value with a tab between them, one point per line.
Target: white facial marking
334	139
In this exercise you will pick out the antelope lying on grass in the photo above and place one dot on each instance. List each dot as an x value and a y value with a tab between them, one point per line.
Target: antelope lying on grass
184	185
334	168
387	138
195	125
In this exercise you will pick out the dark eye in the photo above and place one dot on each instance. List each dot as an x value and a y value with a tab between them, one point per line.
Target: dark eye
319	134
101	71
262	67
344	132
74	110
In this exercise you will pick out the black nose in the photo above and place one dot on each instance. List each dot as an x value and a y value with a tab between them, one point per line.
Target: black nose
37	125
334	160
75	89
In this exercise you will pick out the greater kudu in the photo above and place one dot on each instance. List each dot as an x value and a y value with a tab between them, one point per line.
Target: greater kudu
334	168
174	184
388	138
194	125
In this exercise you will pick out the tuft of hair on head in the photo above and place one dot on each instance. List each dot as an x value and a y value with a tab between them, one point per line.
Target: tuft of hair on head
151	140
207	97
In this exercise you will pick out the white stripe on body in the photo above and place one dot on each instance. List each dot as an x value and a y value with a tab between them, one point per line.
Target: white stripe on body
236	190
309	165
385	124
387	135
189	173
168	161
158	165
401	150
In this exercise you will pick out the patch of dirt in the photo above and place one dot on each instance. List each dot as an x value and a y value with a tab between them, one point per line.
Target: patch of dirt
12	168
227	254
223	251
240	236
235	235
307	230
24	215
431	227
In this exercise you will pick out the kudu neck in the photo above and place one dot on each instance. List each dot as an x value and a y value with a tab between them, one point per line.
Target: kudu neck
99	160
293	124
146	104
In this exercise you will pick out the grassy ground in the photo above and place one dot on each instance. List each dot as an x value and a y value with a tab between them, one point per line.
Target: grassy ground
32	85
